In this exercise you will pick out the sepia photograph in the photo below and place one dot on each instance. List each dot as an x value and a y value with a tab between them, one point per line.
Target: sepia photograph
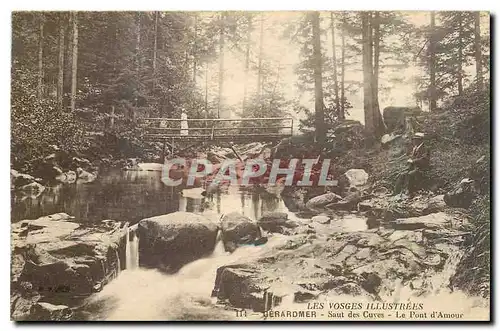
250	166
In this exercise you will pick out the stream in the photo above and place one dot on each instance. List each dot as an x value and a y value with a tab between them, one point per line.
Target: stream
148	294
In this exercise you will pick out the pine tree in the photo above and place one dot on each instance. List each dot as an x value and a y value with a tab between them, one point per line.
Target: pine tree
453	51
432	62
74	61
334	65
477	49
60	74
40	56
318	80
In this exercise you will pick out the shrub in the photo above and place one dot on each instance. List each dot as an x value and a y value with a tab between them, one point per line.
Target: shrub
38	124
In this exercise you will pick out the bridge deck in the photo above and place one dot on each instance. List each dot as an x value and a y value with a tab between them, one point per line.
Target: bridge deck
220	129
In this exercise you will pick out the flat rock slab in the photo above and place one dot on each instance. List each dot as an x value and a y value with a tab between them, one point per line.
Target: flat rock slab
434	220
371	263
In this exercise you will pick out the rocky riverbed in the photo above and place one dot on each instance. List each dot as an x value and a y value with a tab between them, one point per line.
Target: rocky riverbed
266	263
321	243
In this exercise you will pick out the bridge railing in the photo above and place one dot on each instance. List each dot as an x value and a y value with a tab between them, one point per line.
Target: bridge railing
217	129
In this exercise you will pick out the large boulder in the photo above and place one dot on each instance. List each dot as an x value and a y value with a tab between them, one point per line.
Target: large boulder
347	134
83	163
85	176
462	195
356	177
67	177
19	179
349	202
394	117
321	201
46	168
170	241
238	230
32	190
54	257
294	198
276	222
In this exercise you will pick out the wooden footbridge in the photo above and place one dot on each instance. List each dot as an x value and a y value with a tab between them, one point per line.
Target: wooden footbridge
172	131
217	130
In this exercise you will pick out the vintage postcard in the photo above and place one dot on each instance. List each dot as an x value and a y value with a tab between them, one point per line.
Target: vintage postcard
250	166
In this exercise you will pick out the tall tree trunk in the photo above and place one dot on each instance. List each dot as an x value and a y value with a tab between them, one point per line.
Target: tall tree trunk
477	49
377	118
155	51
221	62
432	63
318	80
334	60
195	50
138	62
40	56
342	72
68	62
261	47
460	54
247	62
367	73
60	65
74	60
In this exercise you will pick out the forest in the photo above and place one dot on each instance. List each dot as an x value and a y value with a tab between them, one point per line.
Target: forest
397	102
78	74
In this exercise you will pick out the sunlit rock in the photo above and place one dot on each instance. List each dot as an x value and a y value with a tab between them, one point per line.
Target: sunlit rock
322	200
356	177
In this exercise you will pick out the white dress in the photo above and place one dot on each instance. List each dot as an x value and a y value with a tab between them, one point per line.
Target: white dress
184	124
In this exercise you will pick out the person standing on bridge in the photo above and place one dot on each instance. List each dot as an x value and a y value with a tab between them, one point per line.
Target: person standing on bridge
184	123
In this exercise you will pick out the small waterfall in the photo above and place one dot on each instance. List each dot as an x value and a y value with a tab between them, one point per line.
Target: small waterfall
128	260
135	252
219	247
132	250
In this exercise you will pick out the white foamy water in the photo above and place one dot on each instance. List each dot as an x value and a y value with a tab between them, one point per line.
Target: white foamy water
132	251
149	295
